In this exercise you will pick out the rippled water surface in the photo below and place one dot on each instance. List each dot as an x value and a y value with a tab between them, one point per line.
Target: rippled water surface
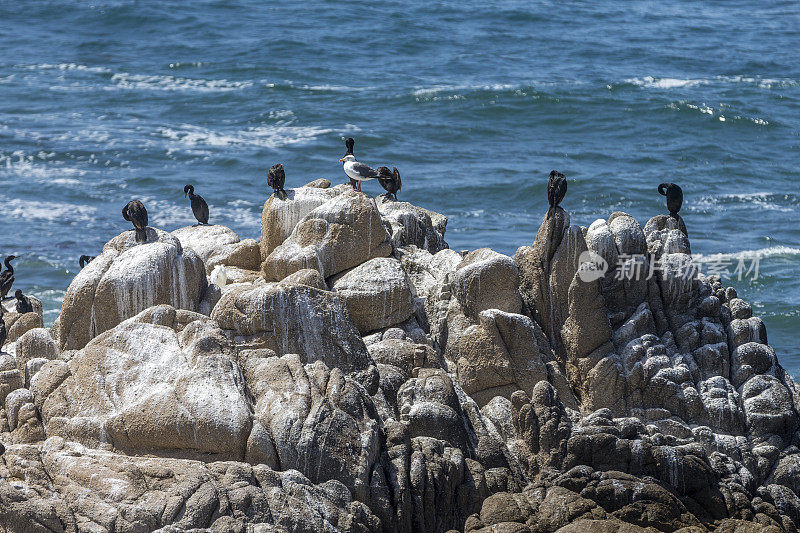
474	102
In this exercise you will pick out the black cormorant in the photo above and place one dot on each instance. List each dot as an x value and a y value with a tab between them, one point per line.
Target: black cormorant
556	188
199	206
7	276
85	260
674	196
389	180
23	302
276	178
136	213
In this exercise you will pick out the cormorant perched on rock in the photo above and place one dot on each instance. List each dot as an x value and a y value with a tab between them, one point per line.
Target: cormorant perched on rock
23	302
136	213
357	172
199	206
349	143
674	196
389	180
85	260
276	178
556	188
7	276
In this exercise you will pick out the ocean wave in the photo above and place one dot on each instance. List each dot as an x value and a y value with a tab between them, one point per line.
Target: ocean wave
749	255
786	203
16	208
653	82
65	66
272	136
124	80
716	114
437	89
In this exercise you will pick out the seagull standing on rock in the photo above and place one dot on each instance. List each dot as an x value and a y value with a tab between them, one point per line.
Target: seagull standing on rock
356	171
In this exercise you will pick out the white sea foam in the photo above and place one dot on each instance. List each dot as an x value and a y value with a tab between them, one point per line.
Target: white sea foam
124	80
749	255
271	136
65	66
16	208
654	82
764	201
436	89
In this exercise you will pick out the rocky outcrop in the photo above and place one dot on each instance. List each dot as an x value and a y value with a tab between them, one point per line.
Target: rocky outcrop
368	378
218	245
124	280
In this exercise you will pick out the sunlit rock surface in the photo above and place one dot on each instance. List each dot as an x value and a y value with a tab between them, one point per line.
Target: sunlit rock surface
124	280
357	375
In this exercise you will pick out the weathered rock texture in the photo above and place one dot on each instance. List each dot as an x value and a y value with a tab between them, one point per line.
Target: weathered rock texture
373	380
127	278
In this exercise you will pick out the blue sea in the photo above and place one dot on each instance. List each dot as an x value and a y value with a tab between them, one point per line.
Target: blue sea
474	102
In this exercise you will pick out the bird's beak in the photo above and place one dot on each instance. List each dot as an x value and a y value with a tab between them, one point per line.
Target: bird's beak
342	159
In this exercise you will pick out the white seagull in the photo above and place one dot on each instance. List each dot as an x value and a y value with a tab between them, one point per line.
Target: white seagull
357	171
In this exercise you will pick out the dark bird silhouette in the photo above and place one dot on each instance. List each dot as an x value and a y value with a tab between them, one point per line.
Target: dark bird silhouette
349	143
85	260
556	188
136	213
23	302
7	276
674	196
3	332
199	206
389	180
276	178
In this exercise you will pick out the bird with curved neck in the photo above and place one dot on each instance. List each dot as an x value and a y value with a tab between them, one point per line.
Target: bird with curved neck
23	302
199	205
276	178
85	260
674	196
7	276
389	180
136	213
556	189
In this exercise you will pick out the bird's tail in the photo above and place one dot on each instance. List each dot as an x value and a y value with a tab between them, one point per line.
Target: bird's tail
141	235
662	189
281	194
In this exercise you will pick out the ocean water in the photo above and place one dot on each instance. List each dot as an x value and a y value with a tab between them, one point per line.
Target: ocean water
474	102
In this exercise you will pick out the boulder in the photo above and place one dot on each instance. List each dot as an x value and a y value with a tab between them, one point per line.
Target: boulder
127	278
338	235
293	319
280	215
485	280
161	390
412	225
377	294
